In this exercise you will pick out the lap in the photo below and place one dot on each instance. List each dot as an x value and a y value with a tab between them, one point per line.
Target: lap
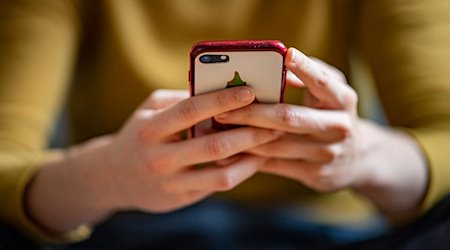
216	224
219	225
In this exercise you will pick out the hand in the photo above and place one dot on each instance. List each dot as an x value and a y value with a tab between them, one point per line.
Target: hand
318	148
328	147
147	165
154	166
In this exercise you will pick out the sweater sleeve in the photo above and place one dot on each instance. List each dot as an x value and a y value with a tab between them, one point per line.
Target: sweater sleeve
38	41
407	44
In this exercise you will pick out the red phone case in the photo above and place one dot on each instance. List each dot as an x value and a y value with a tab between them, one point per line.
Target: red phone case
234	46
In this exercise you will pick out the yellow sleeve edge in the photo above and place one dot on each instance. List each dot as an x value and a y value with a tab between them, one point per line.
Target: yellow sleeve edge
434	144
25	224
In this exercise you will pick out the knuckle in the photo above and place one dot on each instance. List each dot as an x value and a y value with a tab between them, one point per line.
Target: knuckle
329	153
188	110
323	78
339	75
222	100
157	164
144	134
325	155
343	129
324	180
217	147
350	98
226	181
287	115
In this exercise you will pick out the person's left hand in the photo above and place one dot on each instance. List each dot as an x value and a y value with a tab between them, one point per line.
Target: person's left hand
318	147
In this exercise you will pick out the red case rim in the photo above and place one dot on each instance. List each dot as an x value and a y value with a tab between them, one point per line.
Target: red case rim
238	45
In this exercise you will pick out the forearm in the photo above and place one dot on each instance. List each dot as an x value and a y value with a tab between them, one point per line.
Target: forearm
70	191
395	171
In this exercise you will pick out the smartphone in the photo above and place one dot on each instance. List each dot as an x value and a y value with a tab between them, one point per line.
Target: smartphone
216	65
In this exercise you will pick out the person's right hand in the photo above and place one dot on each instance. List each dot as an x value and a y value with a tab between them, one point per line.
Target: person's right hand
154	169
147	165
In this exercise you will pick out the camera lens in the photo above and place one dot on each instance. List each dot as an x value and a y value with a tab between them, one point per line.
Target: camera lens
212	58
223	58
205	59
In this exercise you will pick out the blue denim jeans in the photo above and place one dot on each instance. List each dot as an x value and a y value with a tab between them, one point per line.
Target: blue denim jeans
216	224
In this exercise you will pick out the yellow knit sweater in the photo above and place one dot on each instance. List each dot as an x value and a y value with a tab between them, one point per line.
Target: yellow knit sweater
99	59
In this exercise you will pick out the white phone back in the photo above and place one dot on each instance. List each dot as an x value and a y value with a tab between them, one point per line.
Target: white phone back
261	70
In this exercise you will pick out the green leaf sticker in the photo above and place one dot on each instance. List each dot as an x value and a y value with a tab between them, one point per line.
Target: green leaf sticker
236	81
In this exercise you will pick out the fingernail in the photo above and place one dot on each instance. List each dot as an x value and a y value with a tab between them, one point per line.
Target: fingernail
245	95
295	56
222	116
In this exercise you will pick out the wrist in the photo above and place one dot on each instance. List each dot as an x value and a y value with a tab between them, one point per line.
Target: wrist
394	175
68	190
90	166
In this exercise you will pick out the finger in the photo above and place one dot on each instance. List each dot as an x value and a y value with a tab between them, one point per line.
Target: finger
293	80
324	125
315	176
220	178
162	98
293	169
188	112
228	161
296	147
214	147
323	81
